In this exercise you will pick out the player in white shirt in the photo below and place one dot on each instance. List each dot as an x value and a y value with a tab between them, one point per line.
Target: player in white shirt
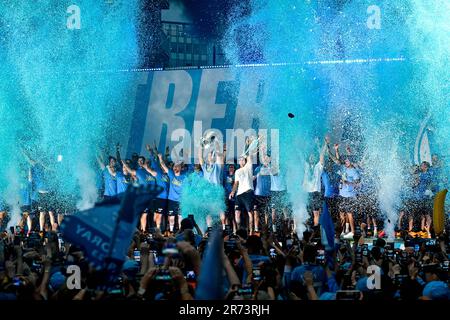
243	188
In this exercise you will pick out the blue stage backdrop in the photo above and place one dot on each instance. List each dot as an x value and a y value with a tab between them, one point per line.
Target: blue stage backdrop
221	98
232	98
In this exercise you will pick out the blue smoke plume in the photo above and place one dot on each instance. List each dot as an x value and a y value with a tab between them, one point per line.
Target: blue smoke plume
201	198
368	84
60	94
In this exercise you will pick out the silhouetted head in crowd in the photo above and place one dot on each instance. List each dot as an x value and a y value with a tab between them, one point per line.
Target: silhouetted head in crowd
309	254
186	223
380	243
242	233
254	245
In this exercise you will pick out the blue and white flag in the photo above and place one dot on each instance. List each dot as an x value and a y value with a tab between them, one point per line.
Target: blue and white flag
105	231
92	230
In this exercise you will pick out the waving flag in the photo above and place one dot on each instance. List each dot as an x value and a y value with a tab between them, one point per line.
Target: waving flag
105	231
92	230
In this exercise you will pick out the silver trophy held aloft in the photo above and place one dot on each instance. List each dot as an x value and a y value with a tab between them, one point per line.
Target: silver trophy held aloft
207	141
252	147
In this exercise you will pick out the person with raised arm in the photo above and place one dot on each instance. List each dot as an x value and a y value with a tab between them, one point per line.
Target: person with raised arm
243	188
124	176
347	191
262	191
40	176
145	176
330	180
160	203
176	178
312	183
109	178
213	168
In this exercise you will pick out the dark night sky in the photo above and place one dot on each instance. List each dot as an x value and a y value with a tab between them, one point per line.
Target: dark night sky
211	19
210	16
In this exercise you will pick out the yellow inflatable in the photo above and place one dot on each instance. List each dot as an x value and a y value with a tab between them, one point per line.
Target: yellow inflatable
439	212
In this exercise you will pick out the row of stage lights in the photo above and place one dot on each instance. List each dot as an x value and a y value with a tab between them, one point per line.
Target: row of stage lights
280	64
254	65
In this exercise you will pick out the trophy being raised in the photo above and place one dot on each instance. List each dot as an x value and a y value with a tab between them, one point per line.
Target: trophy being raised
207	141
252	144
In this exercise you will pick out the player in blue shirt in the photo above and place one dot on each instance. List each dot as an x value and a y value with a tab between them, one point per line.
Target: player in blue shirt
110	179
122	180
145	176
160	203
347	192
262	192
124	177
109	173
40	176
176	178
213	168
159	206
